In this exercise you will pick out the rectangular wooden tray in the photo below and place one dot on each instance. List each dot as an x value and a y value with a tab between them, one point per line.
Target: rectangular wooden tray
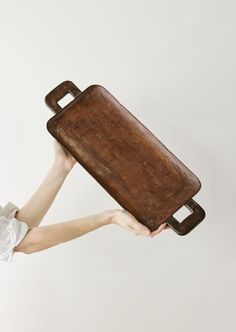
124	157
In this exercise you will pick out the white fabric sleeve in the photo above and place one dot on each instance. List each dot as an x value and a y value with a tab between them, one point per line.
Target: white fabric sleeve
12	232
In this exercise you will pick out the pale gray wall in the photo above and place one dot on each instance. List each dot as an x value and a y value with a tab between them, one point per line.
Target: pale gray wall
172	64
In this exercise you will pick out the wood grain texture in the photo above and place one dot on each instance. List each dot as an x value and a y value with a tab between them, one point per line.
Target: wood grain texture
125	158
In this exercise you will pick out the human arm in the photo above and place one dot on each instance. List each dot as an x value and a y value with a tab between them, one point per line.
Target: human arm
44	237
34	210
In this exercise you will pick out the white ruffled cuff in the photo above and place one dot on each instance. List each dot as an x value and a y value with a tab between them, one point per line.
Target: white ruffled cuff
12	232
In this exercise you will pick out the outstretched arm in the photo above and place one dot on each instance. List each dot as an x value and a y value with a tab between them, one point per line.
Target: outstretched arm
44	237
37	206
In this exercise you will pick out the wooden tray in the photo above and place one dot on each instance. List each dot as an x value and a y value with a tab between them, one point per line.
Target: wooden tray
124	157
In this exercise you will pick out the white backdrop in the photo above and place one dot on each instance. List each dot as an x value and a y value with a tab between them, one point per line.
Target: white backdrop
172	64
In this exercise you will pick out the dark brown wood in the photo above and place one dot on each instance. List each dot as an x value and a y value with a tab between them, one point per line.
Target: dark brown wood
124	157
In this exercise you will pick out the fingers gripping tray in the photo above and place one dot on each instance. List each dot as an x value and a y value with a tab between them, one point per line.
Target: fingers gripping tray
124	157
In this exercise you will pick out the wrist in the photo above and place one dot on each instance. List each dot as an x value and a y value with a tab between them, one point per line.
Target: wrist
111	215
107	217
60	168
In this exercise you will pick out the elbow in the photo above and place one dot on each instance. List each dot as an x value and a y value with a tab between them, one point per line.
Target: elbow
28	250
24	248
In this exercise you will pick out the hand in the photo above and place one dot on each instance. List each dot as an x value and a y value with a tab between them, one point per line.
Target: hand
63	157
160	228
126	220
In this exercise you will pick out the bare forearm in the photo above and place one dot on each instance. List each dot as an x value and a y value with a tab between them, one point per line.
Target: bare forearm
44	237
37	206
